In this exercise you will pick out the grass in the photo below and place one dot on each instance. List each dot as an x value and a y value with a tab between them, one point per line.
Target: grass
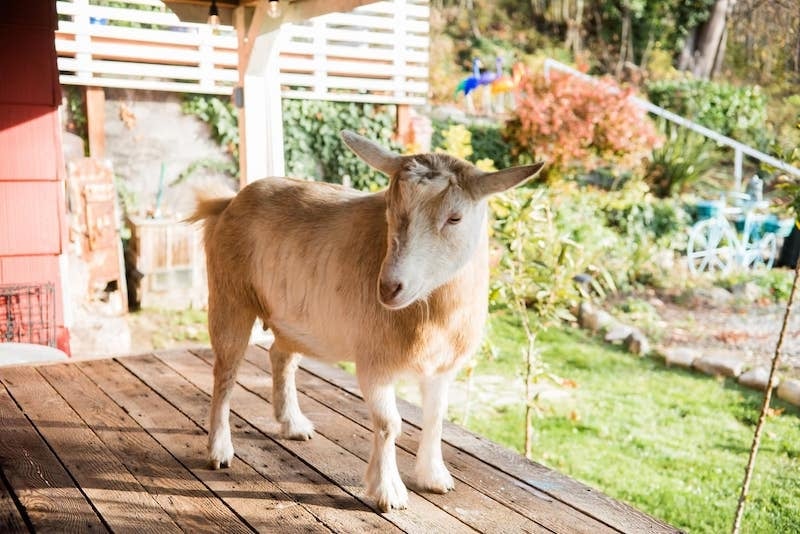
157	328
670	442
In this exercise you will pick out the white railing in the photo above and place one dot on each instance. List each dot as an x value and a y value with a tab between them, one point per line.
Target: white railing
739	149
376	53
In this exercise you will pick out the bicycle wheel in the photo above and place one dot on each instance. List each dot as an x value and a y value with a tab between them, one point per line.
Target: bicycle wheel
761	251
711	246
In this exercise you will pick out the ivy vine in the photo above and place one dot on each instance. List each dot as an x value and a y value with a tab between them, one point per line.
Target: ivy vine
312	146
224	121
314	149
76	120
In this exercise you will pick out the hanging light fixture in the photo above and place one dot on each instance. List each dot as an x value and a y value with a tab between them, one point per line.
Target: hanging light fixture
274	9
213	14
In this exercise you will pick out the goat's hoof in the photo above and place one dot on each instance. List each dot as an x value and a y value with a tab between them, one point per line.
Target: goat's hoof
435	479
390	495
220	453
216	464
300	429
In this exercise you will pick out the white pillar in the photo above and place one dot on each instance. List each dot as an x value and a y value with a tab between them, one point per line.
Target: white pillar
263	113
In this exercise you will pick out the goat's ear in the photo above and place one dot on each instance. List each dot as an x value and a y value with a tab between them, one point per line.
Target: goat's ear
372	153
495	182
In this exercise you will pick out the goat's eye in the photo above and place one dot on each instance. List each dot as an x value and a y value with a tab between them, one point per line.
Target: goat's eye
454	219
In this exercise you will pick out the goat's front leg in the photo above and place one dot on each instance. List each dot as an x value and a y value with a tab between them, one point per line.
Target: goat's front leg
430	470
294	425
383	479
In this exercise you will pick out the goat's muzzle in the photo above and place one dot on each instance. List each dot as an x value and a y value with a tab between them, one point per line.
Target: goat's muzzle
389	290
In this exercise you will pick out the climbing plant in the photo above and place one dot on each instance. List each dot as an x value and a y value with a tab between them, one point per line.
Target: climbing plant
314	149
312	146
224	122
76	121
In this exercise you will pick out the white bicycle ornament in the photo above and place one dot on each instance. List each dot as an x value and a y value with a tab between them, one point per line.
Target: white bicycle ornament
724	237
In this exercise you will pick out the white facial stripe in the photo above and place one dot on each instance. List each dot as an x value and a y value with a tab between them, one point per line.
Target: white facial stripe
426	251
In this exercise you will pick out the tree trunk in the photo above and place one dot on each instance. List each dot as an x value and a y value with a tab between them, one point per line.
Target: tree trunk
686	60
473	19
709	48
625	40
720	55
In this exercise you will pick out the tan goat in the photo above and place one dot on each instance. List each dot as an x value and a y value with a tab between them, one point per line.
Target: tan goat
396	281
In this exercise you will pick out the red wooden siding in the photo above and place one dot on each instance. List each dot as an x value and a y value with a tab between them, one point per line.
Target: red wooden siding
28	63
30	142
32	207
29	218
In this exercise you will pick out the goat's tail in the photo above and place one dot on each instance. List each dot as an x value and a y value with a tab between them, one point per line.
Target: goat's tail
212	199
208	208
210	205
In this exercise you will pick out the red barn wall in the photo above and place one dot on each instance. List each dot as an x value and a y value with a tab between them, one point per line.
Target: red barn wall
32	207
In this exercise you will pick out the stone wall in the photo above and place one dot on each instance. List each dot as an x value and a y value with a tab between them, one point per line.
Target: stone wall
145	129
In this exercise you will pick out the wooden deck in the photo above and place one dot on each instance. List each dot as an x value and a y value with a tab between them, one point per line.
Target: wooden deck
119	445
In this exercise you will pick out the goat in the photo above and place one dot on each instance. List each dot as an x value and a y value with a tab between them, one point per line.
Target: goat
396	281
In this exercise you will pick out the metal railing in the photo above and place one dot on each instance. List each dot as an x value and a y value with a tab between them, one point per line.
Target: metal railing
739	149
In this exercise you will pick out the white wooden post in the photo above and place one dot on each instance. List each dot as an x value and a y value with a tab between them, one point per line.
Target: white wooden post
320	72
263	113
83	52
206	49
400	48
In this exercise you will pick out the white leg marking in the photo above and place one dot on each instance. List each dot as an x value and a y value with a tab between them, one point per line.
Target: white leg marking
383	479
294	425
430	470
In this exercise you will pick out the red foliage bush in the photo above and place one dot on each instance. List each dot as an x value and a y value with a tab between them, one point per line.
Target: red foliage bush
572	122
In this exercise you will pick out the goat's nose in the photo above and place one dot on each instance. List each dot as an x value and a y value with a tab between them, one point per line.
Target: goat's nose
390	289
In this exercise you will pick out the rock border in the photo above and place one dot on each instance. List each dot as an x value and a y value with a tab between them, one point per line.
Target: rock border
614	331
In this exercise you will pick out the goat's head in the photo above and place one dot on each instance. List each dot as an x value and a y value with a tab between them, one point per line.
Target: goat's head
435	210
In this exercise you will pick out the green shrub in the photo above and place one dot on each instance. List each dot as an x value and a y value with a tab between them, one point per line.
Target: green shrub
620	238
681	162
537	260
641	217
738	112
487	142
314	149
564	236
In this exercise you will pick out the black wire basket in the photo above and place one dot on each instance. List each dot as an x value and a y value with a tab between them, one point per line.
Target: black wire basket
28	314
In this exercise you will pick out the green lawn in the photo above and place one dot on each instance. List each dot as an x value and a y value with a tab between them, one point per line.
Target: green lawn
670	442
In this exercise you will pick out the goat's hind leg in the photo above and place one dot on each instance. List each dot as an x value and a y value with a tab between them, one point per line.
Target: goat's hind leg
294	425
229	327
430	469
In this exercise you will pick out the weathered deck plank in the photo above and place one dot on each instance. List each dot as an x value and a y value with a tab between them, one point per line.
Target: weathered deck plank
182	496
121	445
478	509
123	504
51	500
10	517
256	500
334	462
473	507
